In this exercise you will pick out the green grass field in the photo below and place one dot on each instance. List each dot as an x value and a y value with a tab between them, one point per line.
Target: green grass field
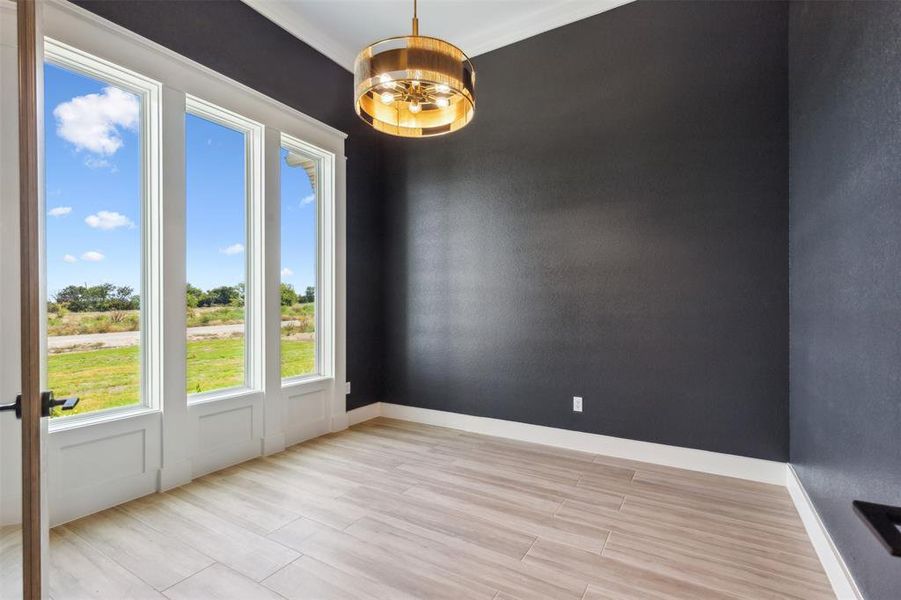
109	377
73	323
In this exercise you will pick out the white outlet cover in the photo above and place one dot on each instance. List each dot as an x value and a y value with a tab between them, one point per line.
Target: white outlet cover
577	404
346	387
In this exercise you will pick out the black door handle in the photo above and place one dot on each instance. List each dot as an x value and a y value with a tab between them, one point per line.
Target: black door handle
48	403
16	406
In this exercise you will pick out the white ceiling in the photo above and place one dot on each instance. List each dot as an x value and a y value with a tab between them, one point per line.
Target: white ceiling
341	28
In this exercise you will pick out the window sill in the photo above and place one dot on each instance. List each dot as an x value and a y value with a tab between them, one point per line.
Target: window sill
219	395
296	382
60	424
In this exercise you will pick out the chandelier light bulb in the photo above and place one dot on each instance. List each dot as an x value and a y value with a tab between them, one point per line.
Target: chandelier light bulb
415	107
387	97
442	88
442	102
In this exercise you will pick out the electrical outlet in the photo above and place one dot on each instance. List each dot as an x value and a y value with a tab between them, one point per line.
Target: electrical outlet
577	403
346	387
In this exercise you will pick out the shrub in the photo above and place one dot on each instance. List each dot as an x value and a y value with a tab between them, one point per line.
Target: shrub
289	296
226	295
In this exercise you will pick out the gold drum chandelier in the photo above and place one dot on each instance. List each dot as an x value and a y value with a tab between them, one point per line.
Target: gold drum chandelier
414	86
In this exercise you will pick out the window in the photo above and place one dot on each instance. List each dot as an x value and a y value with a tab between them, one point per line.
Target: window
221	149
216	245
103	226
300	175
100	191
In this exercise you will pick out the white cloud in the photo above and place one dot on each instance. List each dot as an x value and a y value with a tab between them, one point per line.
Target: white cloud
308	200
69	258
286	272
232	250
106	219
92	162
59	211
92	122
92	256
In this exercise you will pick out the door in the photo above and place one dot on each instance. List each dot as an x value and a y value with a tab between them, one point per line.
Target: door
23	524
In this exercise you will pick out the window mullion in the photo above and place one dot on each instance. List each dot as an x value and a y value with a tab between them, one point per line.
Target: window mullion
256	236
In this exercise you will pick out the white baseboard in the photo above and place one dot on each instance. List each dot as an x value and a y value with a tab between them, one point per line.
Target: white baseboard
175	475
730	465
339	422
836	570
273	444
364	413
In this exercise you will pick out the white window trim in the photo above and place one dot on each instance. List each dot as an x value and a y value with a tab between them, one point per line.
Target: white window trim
177	441
325	261
254	247
150	92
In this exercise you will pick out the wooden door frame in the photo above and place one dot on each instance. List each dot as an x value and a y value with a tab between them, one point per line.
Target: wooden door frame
29	265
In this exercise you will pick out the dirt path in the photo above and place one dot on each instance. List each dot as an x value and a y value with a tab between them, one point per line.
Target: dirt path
121	339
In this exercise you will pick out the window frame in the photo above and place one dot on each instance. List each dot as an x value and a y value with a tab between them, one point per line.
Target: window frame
150	350
324	298
254	247
170	446
278	412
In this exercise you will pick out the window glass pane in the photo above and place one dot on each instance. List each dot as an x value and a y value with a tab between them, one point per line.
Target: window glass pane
92	144
216	260
299	201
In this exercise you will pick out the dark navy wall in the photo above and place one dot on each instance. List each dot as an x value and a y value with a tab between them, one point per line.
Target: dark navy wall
846	270
612	225
615	225
233	39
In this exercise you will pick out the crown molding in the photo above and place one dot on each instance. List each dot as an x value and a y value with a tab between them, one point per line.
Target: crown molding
305	31
524	26
516	29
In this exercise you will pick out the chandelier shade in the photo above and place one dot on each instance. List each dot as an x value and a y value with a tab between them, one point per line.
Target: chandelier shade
414	86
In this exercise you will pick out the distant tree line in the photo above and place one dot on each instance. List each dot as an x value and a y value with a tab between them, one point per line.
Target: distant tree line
233	295
108	297
95	298
224	295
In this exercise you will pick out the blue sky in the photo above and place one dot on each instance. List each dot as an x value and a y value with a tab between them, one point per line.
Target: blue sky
92	178
298	227
214	175
93	193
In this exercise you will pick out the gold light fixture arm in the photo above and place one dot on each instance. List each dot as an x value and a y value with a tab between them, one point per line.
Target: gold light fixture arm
415	20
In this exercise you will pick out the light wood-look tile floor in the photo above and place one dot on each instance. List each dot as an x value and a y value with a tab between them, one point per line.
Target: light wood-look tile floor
396	510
